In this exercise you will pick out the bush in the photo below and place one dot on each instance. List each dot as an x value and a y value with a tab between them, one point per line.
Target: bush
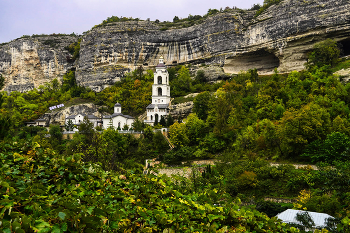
324	53
334	148
176	156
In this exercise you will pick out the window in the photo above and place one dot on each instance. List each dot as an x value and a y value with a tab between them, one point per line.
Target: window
159	80
159	92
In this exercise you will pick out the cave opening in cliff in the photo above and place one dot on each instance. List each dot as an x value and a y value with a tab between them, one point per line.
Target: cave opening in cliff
344	46
262	60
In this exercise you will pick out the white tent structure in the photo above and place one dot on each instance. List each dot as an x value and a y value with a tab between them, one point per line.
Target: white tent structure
289	216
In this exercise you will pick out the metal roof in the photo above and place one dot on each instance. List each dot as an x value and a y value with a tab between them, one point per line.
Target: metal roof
118	114
117	105
40	119
92	117
160	65
88	116
160	106
289	216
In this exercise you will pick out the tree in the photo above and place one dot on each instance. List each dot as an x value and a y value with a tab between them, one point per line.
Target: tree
182	83
160	144
138	125
200	76
56	136
110	124
156	119
114	149
55	132
178	135
299	127
69	125
125	127
255	7
69	81
175	19
307	223
324	53
169	121
333	148
162	121
2	81
5	124
139	72
87	128
201	105
195	129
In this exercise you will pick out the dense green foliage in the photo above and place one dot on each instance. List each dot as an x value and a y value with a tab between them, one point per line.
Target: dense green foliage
43	191
273	117
92	182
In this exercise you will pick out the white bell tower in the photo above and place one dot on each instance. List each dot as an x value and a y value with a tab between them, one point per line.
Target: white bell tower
160	94
161	87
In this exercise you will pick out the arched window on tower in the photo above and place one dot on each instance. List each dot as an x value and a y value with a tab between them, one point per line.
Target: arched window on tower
159	91
159	80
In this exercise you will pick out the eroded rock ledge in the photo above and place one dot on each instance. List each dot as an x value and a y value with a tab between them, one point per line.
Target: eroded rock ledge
281	37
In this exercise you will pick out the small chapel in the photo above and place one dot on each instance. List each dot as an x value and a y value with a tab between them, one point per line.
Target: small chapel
117	119
160	95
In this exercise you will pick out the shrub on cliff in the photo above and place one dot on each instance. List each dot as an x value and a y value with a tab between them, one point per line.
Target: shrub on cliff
324	53
267	4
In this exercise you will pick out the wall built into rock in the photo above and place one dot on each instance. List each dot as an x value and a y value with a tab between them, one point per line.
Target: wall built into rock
59	115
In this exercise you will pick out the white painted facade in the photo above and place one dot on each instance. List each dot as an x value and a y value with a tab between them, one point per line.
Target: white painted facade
117	119
77	119
160	94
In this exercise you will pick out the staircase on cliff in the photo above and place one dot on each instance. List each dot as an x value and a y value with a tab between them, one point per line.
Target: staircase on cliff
168	140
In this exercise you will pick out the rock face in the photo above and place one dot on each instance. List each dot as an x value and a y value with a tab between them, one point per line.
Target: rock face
27	63
344	74
181	111
59	116
212	73
279	38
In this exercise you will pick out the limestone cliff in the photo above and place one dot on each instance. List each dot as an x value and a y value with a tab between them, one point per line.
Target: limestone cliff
27	63
279	38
